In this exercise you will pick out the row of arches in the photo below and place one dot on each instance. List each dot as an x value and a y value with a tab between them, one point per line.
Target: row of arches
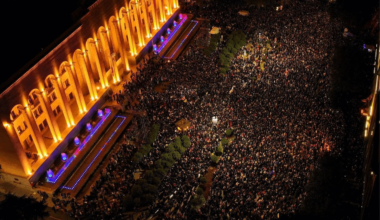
66	94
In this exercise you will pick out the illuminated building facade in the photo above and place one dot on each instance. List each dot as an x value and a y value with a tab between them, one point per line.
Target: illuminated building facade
42	105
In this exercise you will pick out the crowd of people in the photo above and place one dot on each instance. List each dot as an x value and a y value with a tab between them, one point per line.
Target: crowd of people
278	110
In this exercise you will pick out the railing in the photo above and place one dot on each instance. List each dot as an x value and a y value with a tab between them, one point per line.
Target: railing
55	178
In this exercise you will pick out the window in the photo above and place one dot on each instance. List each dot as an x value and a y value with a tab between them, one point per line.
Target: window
67	83
125	26
57	111
36	115
41	127
30	138
25	126
71	96
19	130
53	97
39	110
13	115
45	123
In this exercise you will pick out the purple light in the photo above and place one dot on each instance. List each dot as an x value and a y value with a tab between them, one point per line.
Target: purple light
64	156
183	40
50	173
88	167
100	113
76	141
55	178
174	23
172	34
162	38
180	16
155	47
168	30
88	127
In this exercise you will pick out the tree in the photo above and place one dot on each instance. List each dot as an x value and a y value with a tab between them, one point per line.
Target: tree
141	182
224	142
156	181
148	199
214	158
203	180
150	189
137	201
149	176
219	150
28	208
136	191
167	165
128	201
228	132
170	148
181	150
199	191
176	155
196	202
158	164
159	173
167	157
152	135
177	142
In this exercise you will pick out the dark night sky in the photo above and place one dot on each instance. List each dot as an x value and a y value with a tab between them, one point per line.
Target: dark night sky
30	26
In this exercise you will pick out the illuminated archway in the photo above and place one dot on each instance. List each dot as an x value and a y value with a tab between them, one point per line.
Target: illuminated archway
105	49
118	46
44	110
135	20
68	69
83	75
127	32
96	65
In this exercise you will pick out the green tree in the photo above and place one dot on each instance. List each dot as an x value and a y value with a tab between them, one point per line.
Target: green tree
214	158
203	180
149	175
158	164
176	155
136	191
219	150
228	132
150	189
26	208
177	142
128	201
167	157
199	191
224	142
148	199
159	173
156	181
137	201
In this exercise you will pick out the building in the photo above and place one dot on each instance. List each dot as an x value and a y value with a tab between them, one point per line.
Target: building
44	105
370	196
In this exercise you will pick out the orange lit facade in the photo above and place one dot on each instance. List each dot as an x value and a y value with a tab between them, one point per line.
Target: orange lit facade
41	107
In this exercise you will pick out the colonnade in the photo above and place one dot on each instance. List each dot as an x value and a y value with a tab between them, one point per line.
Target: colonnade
88	69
